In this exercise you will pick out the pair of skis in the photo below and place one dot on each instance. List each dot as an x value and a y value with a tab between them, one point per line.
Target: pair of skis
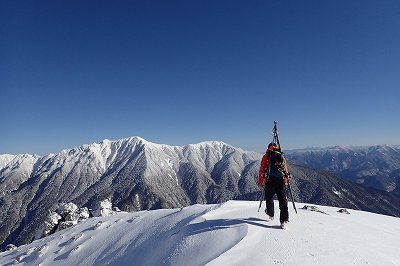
276	140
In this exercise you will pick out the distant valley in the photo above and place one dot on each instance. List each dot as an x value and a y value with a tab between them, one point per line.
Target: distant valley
373	166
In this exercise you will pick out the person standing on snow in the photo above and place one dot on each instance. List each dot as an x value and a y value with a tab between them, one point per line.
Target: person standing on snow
273	178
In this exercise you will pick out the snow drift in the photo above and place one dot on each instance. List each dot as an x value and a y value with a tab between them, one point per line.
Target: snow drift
232	233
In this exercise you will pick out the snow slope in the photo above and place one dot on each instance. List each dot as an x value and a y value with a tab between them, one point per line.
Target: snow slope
5	159
233	233
17	169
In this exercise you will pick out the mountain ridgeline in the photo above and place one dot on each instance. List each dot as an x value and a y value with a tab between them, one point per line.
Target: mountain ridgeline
138	175
374	166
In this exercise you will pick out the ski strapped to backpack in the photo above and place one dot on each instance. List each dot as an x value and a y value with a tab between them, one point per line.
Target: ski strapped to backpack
276	138
267	172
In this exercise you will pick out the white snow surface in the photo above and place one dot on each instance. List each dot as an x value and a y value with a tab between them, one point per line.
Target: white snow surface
233	233
6	159
24	161
18	168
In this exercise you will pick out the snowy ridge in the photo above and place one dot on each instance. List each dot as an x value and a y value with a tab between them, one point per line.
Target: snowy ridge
135	174
5	159
187	236
18	168
373	166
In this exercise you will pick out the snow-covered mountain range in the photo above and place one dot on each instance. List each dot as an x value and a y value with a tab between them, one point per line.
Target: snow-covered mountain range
373	166
136	174
233	233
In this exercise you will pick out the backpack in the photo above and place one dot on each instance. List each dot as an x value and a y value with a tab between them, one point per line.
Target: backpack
276	164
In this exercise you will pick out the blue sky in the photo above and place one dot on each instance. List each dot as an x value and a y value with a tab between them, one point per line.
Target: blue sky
179	72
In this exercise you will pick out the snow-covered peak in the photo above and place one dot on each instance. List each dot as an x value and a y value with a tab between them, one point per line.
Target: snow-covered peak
5	159
210	143
100	149
22	161
96	158
219	146
16	171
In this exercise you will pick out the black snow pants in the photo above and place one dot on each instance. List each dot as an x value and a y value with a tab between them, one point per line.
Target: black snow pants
276	186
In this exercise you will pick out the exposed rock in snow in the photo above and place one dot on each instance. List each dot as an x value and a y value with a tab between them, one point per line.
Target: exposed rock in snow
312	208
66	215
344	211
66	224
49	226
10	247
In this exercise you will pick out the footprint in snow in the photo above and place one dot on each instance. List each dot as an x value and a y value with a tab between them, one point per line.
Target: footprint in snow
131	220
76	237
71	240
33	254
57	251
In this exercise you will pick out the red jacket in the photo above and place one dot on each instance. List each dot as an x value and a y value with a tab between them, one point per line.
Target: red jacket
264	165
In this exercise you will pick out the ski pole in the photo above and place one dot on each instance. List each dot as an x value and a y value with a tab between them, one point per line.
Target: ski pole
291	196
261	200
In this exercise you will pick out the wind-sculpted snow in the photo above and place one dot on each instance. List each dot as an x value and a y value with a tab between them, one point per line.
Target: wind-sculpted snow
163	237
233	233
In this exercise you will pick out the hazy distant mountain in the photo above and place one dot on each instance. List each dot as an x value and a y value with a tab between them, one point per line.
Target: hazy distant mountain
136	175
374	166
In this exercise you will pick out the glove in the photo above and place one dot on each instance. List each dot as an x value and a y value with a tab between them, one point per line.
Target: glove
287	179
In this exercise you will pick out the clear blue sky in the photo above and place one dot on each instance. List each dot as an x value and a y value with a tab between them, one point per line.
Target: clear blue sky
179	72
